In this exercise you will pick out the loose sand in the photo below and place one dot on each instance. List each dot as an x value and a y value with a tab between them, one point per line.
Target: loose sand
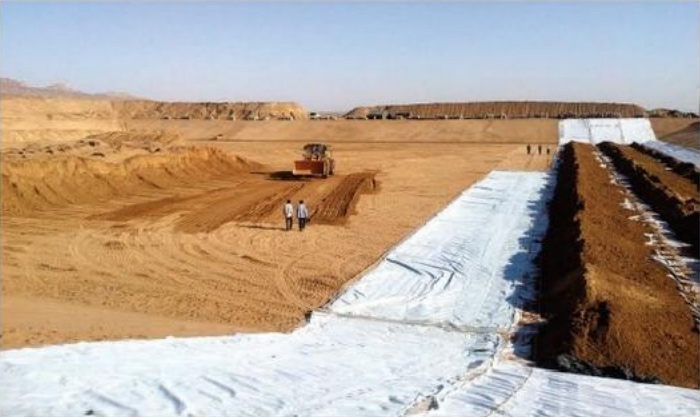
192	254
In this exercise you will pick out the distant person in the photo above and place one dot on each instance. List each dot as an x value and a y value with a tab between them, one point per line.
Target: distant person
288	212
539	149
528	149
302	215
547	150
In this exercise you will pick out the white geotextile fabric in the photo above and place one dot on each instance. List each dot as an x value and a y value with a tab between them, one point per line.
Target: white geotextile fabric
623	131
681	153
332	366
354	366
464	267
513	389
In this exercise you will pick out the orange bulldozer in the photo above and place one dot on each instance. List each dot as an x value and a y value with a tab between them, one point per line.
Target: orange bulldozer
317	161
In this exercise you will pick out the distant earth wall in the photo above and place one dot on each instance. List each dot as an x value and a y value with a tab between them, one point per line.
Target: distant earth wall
53	119
500	109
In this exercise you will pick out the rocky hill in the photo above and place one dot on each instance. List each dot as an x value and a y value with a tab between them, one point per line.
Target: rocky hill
12	87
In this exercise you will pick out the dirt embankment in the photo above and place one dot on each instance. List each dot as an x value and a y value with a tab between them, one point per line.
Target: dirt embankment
684	169
354	131
30	186
146	109
28	119
108	146
500	109
49	119
681	131
675	198
605	300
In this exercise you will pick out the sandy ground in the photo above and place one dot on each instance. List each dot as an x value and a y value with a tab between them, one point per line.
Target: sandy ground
193	260
361	131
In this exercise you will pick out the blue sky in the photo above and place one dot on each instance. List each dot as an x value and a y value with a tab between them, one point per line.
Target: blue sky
334	56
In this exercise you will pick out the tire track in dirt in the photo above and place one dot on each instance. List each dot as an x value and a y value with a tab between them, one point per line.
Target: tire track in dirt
303	286
338	204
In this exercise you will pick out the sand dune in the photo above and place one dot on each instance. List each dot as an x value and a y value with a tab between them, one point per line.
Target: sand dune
33	185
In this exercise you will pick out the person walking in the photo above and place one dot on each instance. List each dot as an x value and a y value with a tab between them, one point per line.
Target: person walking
528	149
302	215
288	211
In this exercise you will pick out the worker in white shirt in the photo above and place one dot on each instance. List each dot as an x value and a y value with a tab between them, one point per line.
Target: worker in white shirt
302	215
288	211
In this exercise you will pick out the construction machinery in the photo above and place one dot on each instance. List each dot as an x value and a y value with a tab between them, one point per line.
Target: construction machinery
317	161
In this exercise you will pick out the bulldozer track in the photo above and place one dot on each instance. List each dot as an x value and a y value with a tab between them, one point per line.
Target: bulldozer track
339	203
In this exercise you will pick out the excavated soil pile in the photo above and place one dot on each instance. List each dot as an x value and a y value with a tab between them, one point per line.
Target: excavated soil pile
146	140
502	109
111	146
684	169
689	136
34	185
606	301
145	109
675	198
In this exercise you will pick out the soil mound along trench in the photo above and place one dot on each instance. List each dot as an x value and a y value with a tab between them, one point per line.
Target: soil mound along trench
32	186
606	301
675	198
684	169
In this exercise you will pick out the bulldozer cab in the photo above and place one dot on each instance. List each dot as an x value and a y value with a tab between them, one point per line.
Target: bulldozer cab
317	161
316	151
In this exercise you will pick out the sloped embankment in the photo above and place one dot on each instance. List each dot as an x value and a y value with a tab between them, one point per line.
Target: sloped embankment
605	300
675	198
35	185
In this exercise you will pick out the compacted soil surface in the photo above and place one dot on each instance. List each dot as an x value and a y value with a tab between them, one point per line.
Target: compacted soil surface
606	301
136	235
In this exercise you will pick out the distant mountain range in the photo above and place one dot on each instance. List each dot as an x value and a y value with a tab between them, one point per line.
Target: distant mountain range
12	87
